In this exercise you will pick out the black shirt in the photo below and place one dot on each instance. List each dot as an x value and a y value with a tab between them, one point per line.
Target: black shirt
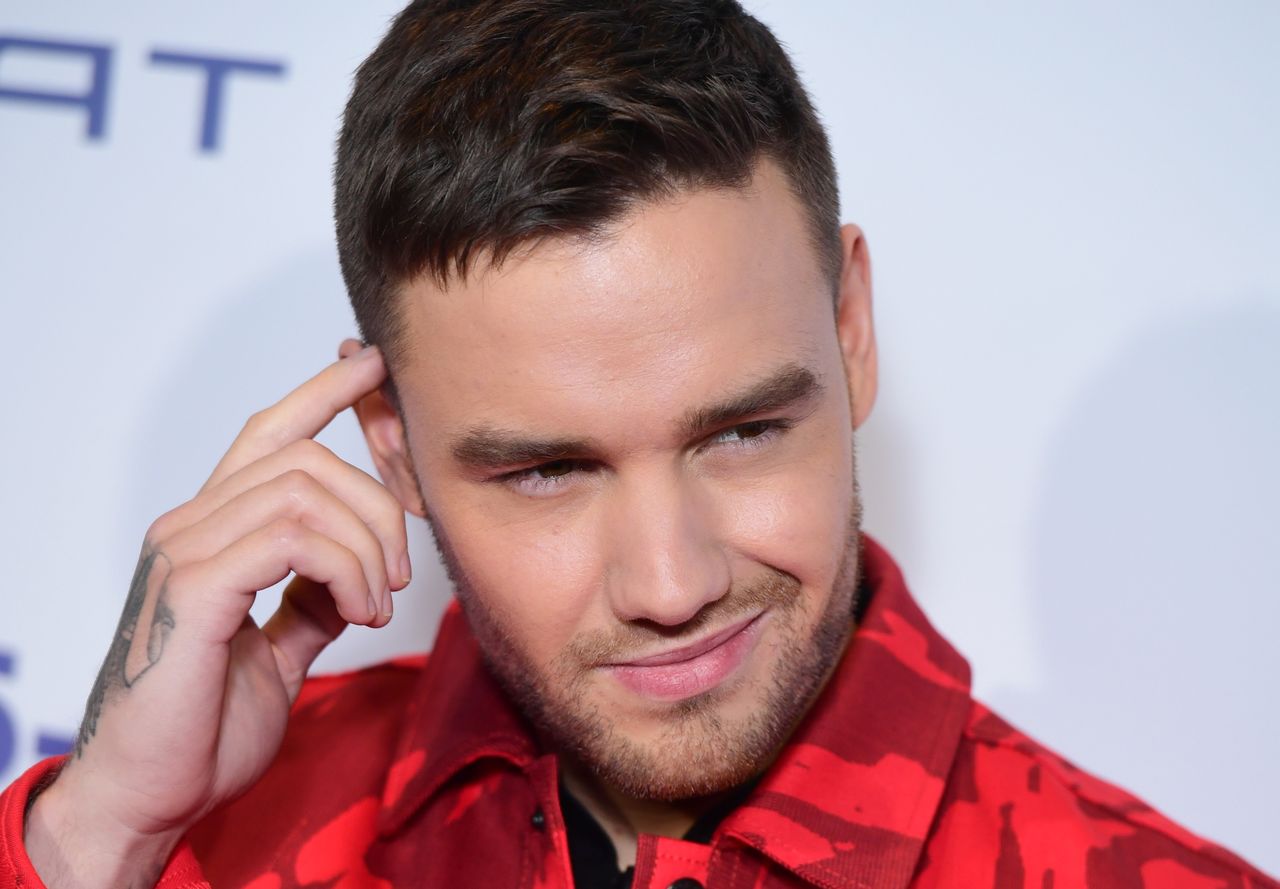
591	853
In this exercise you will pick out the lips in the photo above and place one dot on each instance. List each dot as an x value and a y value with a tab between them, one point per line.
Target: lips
691	669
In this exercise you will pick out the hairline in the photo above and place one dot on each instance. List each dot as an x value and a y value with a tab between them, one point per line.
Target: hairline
488	258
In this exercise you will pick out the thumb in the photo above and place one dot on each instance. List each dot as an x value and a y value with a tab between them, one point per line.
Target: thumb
306	621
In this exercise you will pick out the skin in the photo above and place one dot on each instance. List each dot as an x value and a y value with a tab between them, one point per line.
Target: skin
639	535
642	542
193	697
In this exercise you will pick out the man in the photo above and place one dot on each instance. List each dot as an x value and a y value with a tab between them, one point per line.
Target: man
620	349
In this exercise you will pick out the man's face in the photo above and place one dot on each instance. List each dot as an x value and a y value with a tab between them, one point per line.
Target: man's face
636	453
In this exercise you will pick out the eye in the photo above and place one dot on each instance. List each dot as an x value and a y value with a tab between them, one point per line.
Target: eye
553	470
544	478
750	435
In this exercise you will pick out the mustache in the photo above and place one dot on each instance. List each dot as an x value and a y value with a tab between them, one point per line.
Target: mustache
776	589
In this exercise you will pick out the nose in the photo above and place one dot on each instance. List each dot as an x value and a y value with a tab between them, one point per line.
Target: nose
666	562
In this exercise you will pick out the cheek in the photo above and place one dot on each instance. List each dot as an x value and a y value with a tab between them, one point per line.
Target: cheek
796	518
535	578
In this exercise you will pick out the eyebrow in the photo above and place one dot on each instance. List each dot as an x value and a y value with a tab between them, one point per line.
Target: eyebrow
489	447
788	386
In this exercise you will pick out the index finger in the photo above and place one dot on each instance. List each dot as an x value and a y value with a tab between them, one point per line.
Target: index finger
304	411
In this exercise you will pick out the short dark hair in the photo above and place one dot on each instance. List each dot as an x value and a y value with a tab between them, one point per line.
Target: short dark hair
477	126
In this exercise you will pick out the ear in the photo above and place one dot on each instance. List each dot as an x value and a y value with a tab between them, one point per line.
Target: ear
854	328
385	434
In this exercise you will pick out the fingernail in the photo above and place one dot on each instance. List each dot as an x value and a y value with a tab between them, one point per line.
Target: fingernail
373	606
406	570
366	352
387	605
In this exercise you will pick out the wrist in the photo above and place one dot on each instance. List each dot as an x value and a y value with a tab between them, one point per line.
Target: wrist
72	846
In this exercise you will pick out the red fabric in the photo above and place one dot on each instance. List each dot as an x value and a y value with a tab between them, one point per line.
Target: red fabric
182	872
418	772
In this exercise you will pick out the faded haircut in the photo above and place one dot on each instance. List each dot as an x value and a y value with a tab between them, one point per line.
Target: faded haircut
479	126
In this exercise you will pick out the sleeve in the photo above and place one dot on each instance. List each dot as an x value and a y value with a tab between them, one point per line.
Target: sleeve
16	872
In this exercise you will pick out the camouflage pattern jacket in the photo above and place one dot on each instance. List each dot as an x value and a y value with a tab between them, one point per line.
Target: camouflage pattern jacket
418	773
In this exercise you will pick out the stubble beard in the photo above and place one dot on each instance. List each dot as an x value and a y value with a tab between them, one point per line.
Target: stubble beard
698	752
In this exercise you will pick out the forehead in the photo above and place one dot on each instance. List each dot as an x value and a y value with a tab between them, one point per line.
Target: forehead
681	298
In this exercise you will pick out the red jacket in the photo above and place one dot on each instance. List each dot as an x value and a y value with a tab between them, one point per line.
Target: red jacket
419	773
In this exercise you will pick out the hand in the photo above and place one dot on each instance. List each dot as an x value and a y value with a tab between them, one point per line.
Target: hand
191	704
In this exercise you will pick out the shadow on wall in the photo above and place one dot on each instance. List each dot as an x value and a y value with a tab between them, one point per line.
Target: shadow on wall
260	345
885	464
1156	576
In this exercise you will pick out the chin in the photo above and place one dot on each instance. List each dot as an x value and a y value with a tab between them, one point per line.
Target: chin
689	768
696	747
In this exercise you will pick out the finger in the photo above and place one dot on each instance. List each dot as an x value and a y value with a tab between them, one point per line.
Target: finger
304	411
297	495
349	347
372	502
221	589
306	621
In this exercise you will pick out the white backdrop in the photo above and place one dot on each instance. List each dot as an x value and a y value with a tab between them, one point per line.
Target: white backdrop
1073	219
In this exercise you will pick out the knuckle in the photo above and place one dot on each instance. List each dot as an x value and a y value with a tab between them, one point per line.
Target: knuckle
254	422
262	425
165	526
298	491
298	483
157	531
285	531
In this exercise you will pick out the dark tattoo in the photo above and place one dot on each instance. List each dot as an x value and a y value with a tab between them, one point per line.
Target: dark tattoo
133	651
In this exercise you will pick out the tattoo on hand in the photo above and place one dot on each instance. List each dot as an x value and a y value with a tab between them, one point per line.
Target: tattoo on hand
139	642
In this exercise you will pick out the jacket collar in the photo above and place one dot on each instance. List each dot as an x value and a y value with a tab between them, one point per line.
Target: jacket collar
849	800
456	715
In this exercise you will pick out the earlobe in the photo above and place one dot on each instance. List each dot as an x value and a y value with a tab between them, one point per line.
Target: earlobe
385	435
854	325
